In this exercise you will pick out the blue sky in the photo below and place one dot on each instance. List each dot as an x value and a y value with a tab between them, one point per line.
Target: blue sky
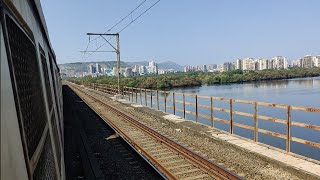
188	32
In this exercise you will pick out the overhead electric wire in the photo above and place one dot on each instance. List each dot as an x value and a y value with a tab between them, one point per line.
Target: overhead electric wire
139	16
113	26
127	25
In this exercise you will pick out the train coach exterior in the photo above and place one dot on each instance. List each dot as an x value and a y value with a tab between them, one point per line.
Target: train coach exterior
31	95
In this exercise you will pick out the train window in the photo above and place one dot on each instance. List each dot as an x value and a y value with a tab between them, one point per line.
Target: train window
46	77
26	77
45	168
53	77
56	137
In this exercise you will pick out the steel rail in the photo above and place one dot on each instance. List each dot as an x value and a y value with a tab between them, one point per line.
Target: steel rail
199	161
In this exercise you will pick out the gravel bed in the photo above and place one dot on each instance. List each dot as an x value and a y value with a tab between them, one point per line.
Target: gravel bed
247	164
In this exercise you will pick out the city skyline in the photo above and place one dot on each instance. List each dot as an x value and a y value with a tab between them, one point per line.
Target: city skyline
195	64
246	64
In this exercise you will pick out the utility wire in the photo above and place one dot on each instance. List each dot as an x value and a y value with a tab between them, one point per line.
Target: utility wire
112	28
127	25
139	16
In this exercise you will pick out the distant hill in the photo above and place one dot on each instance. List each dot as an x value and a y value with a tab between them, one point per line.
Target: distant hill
170	65
79	67
141	63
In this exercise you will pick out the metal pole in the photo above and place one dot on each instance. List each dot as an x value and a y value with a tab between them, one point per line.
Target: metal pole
165	102
196	108
184	106
140	96
136	95
255	122
158	99
174	103
231	118
151	99
118	62
132	94
288	130
129	95
145	96
211	111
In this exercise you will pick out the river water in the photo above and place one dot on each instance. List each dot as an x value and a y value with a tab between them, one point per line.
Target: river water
296	92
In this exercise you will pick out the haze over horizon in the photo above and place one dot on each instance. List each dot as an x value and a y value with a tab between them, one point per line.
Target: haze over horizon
188	32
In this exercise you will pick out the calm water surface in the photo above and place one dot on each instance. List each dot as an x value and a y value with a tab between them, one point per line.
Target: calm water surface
299	92
296	92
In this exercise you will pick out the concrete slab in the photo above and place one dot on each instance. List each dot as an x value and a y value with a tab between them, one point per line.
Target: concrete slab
136	105
120	100
229	138
173	118
249	146
307	166
237	141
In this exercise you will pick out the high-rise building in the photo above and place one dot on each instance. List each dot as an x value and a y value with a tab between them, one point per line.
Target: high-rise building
128	72
98	68
317	61
280	62
270	64
239	64
186	68
136	68
308	61
152	68
92	69
211	67
142	70
297	63
220	67
227	66
189	69
166	71
263	64
114	71
248	64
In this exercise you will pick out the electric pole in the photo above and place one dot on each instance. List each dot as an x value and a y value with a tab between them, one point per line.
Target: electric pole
118	62
116	49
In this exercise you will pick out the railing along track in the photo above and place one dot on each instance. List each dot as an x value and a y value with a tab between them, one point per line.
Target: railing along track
172	159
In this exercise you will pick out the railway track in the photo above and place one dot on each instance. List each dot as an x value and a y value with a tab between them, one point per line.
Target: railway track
172	159
93	151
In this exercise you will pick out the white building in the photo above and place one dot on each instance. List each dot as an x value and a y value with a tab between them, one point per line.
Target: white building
227	66
211	67
248	64
98	68
263	64
114	71
239	64
189	69
308	61
220	67
142	70
280	62
136	68
166	71
297	63
152	68
316	61
92	69
128	72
